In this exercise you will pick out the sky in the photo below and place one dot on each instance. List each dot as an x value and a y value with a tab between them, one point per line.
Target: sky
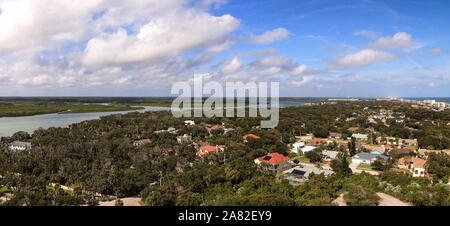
313	48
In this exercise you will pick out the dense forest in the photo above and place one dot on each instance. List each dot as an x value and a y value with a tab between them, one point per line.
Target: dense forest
98	157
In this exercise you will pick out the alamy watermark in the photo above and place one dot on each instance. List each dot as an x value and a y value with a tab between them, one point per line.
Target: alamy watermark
235	91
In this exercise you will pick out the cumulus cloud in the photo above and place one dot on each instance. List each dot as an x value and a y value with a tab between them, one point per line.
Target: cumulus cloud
272	65
231	66
360	59
398	41
159	39
270	36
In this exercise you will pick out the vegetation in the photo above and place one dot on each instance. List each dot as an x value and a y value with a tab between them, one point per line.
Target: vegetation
98	156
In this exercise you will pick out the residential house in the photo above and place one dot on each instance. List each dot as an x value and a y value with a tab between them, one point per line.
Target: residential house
250	135
423	153
207	149
139	143
228	130
374	148
359	136
409	142
300	174
274	162
329	155
335	135
371	129
367	158
402	151
308	137
352	129
184	138
189	123
297	146
415	165
308	149
20	146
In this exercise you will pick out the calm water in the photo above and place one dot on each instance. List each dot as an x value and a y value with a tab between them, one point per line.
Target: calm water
8	126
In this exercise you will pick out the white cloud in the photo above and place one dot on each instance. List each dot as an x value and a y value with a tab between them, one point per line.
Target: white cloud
398	41
231	66
160	38
262	53
360	59
34	81
435	51
305	80
270	36
367	33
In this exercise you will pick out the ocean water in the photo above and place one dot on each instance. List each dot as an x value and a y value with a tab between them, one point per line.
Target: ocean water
438	99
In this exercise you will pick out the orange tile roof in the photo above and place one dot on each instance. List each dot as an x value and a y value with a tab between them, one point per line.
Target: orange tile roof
353	129
319	140
417	163
275	158
208	148
252	136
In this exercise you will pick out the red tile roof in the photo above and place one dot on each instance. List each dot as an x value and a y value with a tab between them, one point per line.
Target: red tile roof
403	151
319	140
274	158
208	148
353	129
252	136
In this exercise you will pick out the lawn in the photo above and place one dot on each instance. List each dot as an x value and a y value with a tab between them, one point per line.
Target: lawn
364	167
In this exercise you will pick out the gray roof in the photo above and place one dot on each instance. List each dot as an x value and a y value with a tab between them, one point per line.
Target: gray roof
20	143
330	154
305	171
369	156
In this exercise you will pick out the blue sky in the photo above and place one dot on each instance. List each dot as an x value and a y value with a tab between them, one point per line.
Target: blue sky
140	48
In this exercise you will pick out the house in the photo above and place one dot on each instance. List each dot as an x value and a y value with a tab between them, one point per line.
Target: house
367	158
250	135
329	155
371	129
184	138
402	151
228	130
410	142
308	149
189	123
423	153
335	135
319	141
274	162
415	165
359	136
374	148
352	129
139	143
207	149
297	146
19	146
305	138
300	174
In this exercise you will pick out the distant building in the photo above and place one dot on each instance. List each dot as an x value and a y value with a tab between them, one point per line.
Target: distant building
274	162
329	155
19	146
184	138
250	135
308	149
297	146
415	165
189	123
300	174
352	129
207	149
402	151
335	135
139	143
359	136
367	158
228	130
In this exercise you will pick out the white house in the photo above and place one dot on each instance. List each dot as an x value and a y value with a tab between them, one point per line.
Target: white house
308	149
189	123
367	158
19	146
297	146
359	136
